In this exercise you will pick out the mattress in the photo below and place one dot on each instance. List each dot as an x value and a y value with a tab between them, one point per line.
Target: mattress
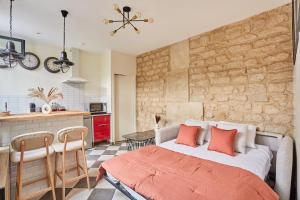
257	161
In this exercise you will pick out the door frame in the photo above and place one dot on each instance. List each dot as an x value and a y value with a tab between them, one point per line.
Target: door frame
113	101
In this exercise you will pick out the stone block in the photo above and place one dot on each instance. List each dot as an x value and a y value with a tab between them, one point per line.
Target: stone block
253	78
276	87
271	109
179	55
177	86
239	79
221	80
180	112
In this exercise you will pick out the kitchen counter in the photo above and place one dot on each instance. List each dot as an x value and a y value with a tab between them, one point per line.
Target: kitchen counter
14	125
32	116
100	114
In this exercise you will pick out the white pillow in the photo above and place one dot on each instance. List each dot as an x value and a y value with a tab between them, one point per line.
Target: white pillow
204	129
210	124
251	133
241	137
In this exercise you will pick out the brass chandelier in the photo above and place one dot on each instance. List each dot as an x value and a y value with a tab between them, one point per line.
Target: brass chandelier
126	19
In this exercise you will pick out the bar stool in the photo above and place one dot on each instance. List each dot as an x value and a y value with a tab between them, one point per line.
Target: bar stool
31	147
71	139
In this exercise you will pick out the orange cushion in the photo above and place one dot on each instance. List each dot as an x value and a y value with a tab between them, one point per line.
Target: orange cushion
222	140
188	135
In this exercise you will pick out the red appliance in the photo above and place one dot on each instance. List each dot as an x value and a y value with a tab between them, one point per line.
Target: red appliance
101	127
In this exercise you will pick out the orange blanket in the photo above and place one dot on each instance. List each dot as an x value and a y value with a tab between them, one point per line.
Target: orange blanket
161	174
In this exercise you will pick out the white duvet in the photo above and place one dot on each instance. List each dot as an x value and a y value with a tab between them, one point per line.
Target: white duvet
257	161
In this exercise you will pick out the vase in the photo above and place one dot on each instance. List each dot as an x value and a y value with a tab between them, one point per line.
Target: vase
46	108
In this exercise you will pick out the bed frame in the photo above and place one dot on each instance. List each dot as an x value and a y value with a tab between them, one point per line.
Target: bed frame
282	162
119	187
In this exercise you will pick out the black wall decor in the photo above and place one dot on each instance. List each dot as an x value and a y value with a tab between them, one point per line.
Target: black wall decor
19	43
295	21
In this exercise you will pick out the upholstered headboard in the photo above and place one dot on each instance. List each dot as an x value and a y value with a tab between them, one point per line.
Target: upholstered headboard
281	147
282	163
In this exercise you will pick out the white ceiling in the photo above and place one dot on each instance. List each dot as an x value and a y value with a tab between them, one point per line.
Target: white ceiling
174	20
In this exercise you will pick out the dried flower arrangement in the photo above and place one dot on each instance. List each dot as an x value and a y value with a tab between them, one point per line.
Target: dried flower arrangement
157	118
39	93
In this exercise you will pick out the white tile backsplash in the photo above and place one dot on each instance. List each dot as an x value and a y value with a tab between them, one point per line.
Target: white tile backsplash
74	99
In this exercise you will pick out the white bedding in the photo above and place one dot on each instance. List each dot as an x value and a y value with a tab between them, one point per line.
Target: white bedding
257	161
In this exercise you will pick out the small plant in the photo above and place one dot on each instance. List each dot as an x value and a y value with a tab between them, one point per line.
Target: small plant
39	93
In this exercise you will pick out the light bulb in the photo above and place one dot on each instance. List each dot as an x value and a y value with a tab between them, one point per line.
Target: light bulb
137	30
138	14
150	20
116	7
105	21
113	33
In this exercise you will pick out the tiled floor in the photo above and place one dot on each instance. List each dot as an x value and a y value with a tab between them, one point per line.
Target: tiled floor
101	190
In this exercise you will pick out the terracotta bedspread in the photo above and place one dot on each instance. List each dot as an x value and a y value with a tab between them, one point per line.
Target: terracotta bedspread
161	174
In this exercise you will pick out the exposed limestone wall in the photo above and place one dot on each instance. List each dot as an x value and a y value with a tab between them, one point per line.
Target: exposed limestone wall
241	72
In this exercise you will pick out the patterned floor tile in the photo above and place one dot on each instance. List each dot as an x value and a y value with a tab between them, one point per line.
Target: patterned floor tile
58	192
93	172
113	148
102	194
121	152
105	157
92	157
96	164
123	148
109	152
101	147
79	194
104	184
96	152
83	184
90	163
119	196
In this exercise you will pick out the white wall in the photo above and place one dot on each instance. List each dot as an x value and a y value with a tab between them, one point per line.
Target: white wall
126	65
297	116
95	67
17	81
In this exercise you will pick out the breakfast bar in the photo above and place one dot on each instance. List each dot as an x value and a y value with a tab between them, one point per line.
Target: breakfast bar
14	125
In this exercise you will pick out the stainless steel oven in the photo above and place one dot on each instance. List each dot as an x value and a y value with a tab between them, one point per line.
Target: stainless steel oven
98	108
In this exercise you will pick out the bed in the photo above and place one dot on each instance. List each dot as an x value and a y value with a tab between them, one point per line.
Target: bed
272	155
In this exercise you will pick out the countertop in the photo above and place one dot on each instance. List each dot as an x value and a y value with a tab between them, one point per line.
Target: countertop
32	116
100	114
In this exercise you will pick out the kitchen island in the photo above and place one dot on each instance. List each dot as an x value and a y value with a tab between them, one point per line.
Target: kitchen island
13	125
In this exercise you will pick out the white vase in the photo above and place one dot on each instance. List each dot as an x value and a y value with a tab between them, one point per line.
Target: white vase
46	108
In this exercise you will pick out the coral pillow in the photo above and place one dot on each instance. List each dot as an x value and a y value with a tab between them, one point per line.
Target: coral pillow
222	140
188	135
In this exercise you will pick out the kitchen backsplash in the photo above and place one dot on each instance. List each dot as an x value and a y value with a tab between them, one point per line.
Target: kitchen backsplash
74	99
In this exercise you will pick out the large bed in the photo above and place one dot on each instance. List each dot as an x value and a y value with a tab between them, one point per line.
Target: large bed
273	155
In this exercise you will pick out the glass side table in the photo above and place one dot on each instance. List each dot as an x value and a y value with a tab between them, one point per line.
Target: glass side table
139	139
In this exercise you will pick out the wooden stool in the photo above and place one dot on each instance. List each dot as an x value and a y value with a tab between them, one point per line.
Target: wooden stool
27	148
71	139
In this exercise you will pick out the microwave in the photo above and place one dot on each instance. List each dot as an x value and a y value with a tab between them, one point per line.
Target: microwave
98	108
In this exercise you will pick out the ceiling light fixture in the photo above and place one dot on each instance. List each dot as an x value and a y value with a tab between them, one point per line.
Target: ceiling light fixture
9	55
63	61
127	19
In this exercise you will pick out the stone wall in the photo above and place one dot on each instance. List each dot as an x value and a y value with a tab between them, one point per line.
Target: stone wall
242	72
